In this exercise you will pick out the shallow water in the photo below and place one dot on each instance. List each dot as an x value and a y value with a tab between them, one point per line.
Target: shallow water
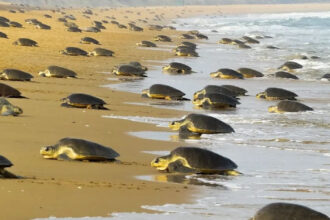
283	157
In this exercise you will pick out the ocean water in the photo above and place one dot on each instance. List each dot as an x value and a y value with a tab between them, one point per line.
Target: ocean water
283	157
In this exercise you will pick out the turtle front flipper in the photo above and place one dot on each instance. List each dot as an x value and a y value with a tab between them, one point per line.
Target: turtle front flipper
178	167
64	157
7	174
185	133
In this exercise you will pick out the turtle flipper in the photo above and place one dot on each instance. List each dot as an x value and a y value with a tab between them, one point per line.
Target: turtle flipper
185	133
6	174
64	157
178	167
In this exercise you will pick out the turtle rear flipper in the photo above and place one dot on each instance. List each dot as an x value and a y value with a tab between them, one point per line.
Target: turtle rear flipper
6	174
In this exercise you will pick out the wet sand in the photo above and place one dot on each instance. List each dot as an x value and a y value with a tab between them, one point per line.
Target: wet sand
58	188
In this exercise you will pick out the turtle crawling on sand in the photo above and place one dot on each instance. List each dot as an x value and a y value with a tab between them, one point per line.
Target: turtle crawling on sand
4	163
80	100
177	68
9	92
195	160
288	211
101	52
25	42
73	51
58	72
160	91
78	149
89	40
15	75
6	108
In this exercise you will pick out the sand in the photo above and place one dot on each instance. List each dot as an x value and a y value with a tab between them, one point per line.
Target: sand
76	189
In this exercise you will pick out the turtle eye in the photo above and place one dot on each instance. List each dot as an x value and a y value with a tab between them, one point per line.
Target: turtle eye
156	160
47	148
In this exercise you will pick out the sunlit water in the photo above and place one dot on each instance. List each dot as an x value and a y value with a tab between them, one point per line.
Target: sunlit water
284	157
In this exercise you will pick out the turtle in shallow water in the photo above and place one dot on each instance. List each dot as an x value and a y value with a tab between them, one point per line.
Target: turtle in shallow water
250	40
225	73
160	91
326	77
58	72
283	74
6	108
146	43
225	40
177	68
200	124
9	92
235	89
215	101
80	100
214	89
4	163
289	106
277	94
195	160
186	36
128	70
290	66
73	51
288	211
25	42
15	75
188	44
89	40
78	149
162	38
186	52
101	52
249	73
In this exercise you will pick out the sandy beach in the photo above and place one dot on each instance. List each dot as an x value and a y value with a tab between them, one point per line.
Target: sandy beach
77	189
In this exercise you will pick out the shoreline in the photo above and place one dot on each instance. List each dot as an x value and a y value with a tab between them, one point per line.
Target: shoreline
77	189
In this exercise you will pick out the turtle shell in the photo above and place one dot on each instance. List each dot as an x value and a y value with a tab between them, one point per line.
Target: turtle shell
129	70
292	106
214	89
83	100
283	74
73	29
248	73
280	93
250	40
235	89
87	150
25	42
58	71
163	38
186	51
164	90
89	40
4	162
229	73
8	91
218	100
290	65
3	24
15	75
288	211
188	44
145	43
102	52
326	76
3	35
75	51
200	123
204	160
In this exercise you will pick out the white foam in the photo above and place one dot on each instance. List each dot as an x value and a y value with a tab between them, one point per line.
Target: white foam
160	122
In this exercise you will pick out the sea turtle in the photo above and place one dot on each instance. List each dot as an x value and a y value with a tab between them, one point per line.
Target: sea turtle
129	70
289	106
4	24
160	91
326	77
135	28
138	65
4	19
200	124
4	163
225	40
177	68
80	100
227	74
9	92
78	149
236	42
6	108
73	51
288	211
272	47
73	29
15	75
250	40
243	46
283	74
101	52
249	73
146	43
59	72
3	35
186	36
215	101
25	42
162	38
290	66
15	24
195	160
277	94
200	36
89	40
186	52
43	26
214	89
235	89
92	29
155	27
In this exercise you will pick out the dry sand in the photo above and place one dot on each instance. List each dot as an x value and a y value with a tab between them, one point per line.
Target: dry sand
58	188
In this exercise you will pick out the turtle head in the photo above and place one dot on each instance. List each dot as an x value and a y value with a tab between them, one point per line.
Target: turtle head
272	109
175	125
261	95
160	163
214	74
43	74
17	110
48	152
145	93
